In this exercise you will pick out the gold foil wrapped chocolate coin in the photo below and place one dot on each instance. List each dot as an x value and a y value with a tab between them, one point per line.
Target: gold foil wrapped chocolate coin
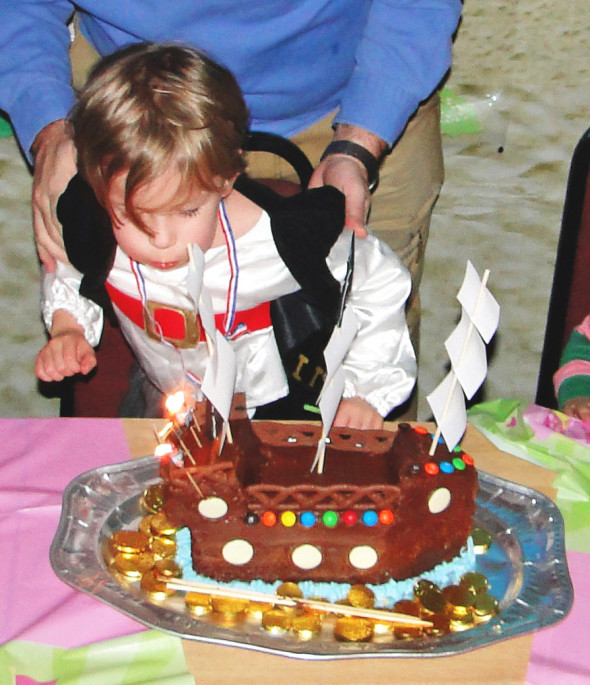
433	601
475	580
145	526
153	498
407	632
198	603
155	588
485	607
168	568
361	596
307	625
441	624
353	629
482	540
128	542
276	621
228	606
423	586
163	546
289	590
161	526
133	566
460	600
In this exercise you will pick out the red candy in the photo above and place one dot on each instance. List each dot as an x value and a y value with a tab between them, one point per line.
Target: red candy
349	518
467	459
420	430
431	468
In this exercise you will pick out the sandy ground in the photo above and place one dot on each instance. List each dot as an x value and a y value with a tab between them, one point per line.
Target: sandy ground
522	70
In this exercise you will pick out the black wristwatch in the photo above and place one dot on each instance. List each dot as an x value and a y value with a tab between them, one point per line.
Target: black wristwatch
368	160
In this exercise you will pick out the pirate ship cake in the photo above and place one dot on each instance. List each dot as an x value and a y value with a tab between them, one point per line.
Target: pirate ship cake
380	506
383	508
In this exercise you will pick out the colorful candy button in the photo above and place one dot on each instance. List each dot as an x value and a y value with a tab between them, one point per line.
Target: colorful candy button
431	468
459	464
307	519
349	518
386	517
330	519
251	518
269	518
446	467
468	460
288	519
370	518
420	430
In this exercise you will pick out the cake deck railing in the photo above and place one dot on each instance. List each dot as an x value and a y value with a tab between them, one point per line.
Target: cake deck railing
261	497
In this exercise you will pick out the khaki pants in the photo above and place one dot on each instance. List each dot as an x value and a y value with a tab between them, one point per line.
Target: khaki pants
410	181
409	184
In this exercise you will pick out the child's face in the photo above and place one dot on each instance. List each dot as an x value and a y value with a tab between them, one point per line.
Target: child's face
169	225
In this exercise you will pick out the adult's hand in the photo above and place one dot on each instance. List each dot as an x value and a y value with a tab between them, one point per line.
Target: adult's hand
54	157
349	175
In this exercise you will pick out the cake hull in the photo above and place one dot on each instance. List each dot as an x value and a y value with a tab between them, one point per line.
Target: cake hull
283	523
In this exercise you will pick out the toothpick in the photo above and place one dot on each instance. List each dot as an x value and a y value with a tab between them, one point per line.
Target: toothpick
197	488
195	436
254	596
230	437
158	437
437	432
185	450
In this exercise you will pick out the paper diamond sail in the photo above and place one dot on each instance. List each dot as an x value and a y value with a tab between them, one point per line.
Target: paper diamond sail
336	349
466	349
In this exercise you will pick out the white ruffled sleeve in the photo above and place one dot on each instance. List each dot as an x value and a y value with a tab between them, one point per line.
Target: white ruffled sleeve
61	290
380	367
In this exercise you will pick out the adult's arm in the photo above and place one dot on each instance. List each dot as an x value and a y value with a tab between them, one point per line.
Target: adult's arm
404	53
36	92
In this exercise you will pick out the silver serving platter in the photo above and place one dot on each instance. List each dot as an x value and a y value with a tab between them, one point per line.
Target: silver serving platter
526	567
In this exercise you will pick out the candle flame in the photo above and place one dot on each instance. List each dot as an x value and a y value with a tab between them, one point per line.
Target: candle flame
164	450
175	402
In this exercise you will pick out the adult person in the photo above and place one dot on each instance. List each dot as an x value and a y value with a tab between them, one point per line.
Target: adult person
352	81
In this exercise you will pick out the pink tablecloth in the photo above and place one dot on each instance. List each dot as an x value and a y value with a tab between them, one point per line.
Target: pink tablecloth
38	458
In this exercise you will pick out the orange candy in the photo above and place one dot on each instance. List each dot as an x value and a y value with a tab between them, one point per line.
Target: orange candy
386	516
269	518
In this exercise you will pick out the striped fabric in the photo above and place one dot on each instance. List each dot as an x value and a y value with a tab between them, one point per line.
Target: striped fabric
573	377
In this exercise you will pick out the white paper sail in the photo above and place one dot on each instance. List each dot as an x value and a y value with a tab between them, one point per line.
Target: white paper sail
479	303
336	349
448	406
196	267
219	379
467	353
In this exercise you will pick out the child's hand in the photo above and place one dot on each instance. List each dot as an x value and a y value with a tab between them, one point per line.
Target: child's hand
356	413
579	408
64	355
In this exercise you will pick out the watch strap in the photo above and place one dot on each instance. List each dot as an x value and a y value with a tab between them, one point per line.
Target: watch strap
368	160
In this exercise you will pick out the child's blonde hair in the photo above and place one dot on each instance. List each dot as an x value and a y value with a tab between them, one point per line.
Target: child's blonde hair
152	108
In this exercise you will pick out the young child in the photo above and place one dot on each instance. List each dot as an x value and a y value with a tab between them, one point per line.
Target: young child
159	131
572	380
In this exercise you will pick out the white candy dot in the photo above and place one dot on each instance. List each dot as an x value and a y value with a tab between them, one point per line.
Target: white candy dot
238	552
363	557
306	557
213	507
439	500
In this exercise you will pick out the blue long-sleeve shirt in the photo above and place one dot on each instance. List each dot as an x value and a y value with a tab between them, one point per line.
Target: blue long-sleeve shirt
296	60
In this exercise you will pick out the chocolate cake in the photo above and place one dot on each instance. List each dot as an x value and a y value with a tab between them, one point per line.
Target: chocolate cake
382	509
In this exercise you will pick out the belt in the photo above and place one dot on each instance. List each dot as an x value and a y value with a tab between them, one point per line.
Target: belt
181	327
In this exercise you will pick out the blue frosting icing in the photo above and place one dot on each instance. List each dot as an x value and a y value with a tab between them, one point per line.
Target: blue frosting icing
386	594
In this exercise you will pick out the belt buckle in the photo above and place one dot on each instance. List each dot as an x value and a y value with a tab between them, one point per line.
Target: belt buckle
192	329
